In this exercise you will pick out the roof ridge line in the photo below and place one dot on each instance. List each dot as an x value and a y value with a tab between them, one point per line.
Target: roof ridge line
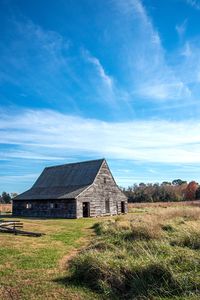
76	163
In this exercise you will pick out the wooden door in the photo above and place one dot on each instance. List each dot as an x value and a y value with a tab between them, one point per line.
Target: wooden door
123	207
86	209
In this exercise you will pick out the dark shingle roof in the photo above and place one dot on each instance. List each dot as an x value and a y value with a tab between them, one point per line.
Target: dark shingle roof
64	181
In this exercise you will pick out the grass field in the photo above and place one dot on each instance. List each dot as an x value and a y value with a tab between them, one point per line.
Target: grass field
29	266
151	253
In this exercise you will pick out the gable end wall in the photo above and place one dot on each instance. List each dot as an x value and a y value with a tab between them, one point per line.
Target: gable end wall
99	192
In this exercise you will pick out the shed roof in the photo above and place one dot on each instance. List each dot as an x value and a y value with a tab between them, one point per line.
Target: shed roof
63	181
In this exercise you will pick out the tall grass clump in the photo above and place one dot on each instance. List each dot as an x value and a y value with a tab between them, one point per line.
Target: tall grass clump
189	238
148	257
122	277
145	232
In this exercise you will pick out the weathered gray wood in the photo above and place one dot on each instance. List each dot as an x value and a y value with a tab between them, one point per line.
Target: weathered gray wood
103	189
12	227
42	208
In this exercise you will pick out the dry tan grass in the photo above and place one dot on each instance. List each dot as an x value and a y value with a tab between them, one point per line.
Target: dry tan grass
188	213
4	208
164	204
147	253
151	222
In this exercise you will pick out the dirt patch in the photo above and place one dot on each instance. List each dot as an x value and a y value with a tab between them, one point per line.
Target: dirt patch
9	293
65	260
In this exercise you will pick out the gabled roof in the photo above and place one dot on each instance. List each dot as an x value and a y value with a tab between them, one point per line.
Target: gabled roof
64	181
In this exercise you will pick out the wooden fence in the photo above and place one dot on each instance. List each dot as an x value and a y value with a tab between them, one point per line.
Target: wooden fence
5	208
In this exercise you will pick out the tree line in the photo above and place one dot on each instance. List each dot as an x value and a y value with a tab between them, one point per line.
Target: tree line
177	190
6	198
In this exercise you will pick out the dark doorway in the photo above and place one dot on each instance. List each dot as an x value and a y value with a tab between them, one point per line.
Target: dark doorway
86	209
107	205
123	207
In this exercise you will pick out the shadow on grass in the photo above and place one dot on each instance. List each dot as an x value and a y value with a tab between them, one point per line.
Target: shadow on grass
153	280
10	216
71	282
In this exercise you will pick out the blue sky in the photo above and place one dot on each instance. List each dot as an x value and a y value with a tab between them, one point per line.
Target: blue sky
86	79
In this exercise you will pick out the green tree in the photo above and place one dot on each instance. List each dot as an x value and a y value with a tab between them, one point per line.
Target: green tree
6	197
178	182
166	183
13	195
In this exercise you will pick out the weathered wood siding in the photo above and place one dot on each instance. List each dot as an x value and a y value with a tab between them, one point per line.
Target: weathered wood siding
104	188
41	208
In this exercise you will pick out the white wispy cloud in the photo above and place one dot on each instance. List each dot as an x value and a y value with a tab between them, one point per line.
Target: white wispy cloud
152	76
57	135
100	69
60	69
165	90
141	63
181	28
194	3
105	88
27	155
186	51
188	67
13	178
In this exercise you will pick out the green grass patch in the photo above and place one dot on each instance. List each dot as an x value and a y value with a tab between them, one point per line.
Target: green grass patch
29	266
153	254
190	239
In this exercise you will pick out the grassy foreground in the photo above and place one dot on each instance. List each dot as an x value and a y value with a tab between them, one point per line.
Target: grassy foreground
29	266
151	253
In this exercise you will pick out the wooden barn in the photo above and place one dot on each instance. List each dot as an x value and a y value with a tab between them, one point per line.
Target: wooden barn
75	190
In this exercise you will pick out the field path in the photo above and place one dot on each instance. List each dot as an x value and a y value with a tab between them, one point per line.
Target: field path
84	242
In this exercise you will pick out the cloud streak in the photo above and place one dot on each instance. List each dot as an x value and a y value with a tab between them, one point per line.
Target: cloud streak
54	135
194	3
153	77
49	68
181	28
99	68
69	75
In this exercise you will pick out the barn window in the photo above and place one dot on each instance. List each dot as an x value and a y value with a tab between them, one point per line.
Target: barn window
28	205
53	205
107	205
